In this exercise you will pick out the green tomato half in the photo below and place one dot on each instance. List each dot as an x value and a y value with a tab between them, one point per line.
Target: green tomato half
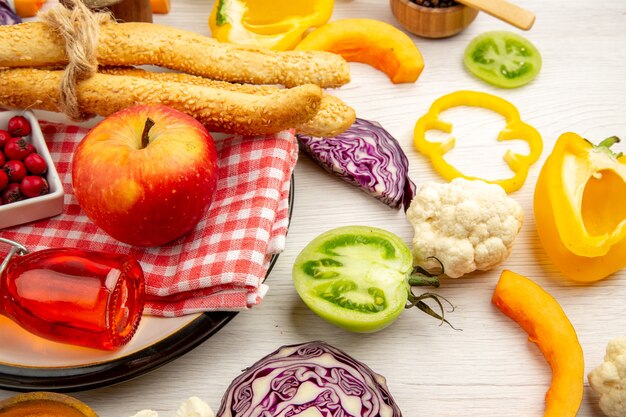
355	277
503	59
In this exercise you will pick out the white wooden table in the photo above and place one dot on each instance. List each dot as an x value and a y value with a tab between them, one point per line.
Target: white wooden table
489	368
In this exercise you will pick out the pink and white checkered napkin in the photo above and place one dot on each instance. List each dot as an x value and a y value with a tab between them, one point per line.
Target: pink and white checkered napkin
222	263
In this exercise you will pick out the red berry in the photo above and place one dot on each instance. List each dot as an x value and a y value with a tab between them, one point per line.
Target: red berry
33	186
35	164
4	138
2	159
18	148
19	126
11	194
4	179
15	170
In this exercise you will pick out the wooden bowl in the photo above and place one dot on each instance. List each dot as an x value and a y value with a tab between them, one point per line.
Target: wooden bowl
44	404
431	22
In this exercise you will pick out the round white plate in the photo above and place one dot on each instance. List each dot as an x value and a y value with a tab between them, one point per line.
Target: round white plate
29	363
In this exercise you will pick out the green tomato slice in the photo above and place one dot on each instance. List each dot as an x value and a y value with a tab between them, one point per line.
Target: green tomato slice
354	277
503	59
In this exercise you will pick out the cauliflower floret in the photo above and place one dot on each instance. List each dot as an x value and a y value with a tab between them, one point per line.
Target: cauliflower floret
467	225
192	407
609	379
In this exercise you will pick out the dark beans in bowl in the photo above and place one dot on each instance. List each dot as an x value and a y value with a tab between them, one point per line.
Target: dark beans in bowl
435	3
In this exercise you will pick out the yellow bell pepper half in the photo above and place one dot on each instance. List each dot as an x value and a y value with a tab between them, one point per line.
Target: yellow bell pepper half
277	24
580	208
515	129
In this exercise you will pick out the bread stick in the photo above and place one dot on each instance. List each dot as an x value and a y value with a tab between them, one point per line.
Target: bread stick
332	118
219	110
33	44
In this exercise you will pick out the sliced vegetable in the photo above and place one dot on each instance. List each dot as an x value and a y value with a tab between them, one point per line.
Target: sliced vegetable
579	203
359	278
503	59
7	15
515	129
28	8
371	42
367	156
160	6
541	316
313	379
279	25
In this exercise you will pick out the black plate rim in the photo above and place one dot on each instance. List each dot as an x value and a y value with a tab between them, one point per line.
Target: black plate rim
150	358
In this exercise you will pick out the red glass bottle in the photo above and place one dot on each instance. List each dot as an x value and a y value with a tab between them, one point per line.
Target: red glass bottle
91	299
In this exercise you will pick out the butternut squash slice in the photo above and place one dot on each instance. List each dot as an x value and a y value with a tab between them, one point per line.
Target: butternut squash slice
541	316
160	6
371	42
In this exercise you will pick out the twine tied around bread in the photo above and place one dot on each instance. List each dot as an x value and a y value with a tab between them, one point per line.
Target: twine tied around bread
78	27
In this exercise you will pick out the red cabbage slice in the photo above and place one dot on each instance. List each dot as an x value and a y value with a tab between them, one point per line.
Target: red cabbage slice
7	15
313	379
367	156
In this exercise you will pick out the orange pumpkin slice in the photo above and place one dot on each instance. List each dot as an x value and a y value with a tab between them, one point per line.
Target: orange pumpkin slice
371	42
541	316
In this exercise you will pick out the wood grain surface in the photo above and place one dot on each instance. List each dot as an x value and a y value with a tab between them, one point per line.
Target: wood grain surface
489	368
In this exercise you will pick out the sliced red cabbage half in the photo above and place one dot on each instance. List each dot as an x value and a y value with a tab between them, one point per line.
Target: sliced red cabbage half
7	15
313	379
367	156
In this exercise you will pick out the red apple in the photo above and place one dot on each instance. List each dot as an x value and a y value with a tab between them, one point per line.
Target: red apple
146	175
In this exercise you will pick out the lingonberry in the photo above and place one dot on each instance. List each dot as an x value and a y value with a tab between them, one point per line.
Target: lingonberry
35	164
33	186
18	149
19	126
15	170
11	194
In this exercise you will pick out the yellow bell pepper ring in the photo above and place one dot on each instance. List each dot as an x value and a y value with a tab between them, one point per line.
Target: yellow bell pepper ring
580	208
515	129
278	24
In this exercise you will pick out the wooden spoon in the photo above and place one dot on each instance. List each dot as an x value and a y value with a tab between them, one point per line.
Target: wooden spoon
503	10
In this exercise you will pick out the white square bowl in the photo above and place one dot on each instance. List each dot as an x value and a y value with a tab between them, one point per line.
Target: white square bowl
40	207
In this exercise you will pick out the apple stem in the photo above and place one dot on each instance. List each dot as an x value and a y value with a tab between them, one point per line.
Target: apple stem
146	129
